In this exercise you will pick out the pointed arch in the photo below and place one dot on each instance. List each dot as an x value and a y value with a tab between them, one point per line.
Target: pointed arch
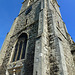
20	47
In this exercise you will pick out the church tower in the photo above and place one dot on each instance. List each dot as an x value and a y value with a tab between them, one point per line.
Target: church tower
38	42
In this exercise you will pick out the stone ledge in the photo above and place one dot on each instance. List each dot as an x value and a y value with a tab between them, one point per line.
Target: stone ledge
16	64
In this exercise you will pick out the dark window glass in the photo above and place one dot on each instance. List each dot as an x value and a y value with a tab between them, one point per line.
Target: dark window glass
28	10
20	47
24	49
15	51
73	52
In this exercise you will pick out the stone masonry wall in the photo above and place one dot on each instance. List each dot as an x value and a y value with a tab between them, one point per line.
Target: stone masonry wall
20	27
58	53
60	32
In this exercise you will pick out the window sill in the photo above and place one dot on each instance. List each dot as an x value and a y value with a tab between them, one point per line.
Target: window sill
16	64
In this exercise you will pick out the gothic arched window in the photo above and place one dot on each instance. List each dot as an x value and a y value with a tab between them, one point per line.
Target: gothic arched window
20	48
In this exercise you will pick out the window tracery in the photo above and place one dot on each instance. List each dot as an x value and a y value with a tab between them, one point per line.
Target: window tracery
20	48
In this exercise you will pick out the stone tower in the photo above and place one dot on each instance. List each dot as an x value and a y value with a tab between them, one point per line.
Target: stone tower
38	42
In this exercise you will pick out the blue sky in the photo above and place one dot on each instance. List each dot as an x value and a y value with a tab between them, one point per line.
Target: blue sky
9	10
67	8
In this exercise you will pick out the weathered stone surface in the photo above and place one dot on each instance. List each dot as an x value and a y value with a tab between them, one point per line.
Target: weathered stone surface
50	49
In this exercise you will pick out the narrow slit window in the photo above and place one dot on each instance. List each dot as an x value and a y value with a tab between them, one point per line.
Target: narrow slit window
58	24
28	10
